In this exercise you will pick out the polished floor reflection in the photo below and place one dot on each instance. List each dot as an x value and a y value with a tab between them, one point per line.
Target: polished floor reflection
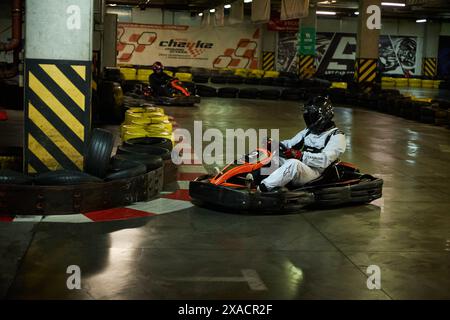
201	254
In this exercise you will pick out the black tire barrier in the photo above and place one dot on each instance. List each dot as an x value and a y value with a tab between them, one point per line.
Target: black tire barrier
152	162
99	152
11	158
219	79
266	81
171	69
280	82
111	107
124	169
227	92
199	78
112	74
80	198
129	85
146	142
64	178
235	80
254	81
14	177
206	91
427	115
270	94
292	94
184	69
292	83
161	152
249	93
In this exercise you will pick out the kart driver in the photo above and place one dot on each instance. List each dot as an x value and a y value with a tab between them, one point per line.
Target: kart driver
311	151
159	79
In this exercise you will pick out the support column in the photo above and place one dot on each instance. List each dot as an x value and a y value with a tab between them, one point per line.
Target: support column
58	57
366	64
307	45
430	49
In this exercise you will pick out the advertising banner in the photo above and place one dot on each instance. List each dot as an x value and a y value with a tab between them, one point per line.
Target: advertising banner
336	53
173	45
287	52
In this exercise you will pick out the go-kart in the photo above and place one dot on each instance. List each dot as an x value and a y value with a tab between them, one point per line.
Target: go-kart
234	188
172	93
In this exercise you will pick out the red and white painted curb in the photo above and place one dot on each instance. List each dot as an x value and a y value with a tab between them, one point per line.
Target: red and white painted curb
168	202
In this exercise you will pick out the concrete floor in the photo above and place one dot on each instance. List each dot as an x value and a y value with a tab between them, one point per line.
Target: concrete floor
201	254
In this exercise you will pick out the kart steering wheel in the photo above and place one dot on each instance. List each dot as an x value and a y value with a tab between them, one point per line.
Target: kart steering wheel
283	148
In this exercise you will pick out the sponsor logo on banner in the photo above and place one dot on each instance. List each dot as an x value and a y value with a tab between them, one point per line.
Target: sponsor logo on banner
283	25
233	47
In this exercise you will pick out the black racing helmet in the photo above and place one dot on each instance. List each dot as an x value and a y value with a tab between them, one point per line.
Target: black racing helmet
157	66
318	114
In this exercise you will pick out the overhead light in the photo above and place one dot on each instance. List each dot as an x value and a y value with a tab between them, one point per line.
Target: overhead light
329	13
393	4
200	14
356	13
421	20
212	10
112	4
227	6
247	1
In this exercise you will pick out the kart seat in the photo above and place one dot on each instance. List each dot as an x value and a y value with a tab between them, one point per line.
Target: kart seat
330	174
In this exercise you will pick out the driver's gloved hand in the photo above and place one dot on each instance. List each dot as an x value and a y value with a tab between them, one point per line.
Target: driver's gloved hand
292	154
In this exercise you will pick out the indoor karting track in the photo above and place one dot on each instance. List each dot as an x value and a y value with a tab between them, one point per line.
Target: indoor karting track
197	253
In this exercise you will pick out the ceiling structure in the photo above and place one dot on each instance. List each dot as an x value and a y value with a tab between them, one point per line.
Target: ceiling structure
414	9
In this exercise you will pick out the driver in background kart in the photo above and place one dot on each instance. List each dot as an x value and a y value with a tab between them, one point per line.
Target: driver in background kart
311	151
159	79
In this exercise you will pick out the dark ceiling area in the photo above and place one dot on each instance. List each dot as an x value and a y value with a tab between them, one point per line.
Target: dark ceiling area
429	9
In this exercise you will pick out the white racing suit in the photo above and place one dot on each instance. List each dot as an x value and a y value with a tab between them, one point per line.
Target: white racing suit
319	151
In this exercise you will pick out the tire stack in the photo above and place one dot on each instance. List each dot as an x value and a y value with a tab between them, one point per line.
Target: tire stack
146	121
153	152
105	182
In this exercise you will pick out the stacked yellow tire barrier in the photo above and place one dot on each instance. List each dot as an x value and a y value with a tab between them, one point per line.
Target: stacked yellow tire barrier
401	82
128	73
414	83
242	73
143	74
146	122
388	82
256	73
271	74
339	85
184	77
427	83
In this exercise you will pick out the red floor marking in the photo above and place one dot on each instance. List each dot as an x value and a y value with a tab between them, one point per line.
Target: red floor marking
3	116
6	218
178	195
117	214
188	176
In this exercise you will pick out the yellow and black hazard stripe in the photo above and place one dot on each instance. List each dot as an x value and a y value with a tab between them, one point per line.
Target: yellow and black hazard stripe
306	68
268	63
57	114
429	67
366	70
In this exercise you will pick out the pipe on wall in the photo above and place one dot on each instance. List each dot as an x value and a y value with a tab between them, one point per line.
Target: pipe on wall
16	14
11	70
